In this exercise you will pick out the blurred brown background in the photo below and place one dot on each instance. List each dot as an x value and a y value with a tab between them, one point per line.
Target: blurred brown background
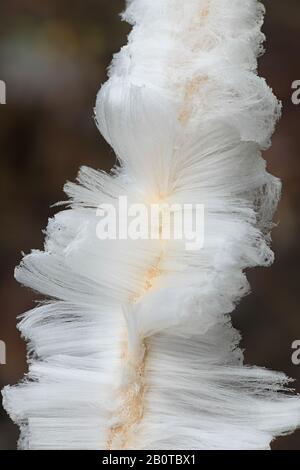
53	58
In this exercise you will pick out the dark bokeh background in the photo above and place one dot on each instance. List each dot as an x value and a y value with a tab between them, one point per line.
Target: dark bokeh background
53	58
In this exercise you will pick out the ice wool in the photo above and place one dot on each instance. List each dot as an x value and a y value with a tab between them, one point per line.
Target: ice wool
133	347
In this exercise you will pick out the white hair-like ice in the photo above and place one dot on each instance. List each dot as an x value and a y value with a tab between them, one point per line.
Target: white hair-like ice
134	348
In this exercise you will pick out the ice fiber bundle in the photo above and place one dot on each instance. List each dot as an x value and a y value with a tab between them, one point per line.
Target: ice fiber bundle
133	347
